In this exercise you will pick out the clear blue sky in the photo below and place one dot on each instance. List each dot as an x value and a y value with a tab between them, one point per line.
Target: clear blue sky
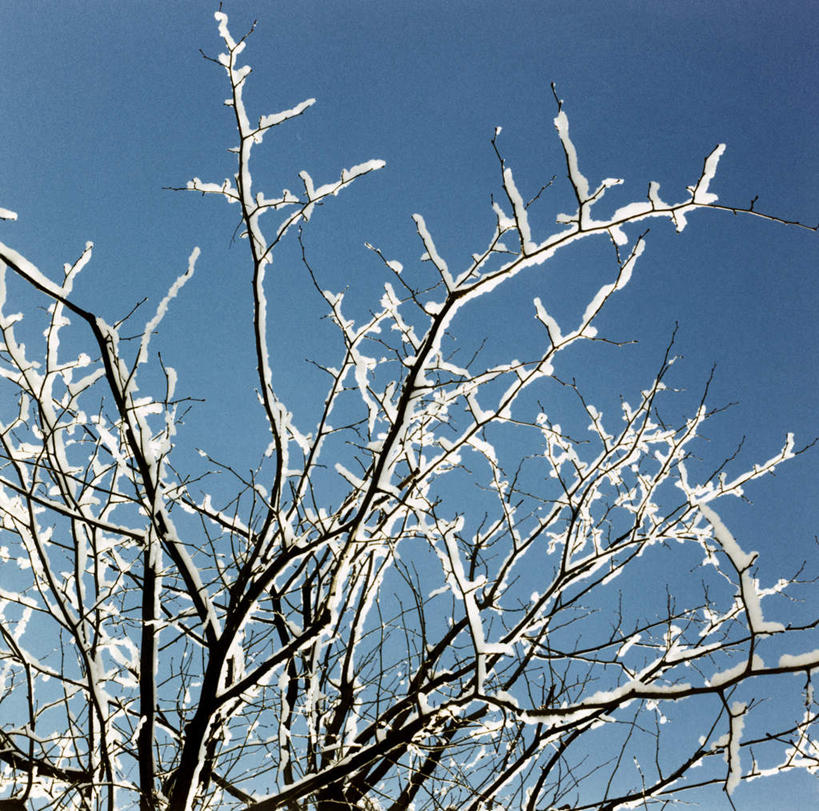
103	104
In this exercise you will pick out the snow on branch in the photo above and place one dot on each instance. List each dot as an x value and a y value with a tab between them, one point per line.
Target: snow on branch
443	577
431	252
742	562
273	120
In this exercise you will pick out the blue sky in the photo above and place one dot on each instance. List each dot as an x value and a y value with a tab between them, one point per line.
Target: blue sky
104	104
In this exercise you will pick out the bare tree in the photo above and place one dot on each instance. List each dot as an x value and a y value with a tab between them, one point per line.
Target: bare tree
439	596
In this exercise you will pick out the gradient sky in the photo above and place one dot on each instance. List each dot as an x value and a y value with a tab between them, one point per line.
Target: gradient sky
104	104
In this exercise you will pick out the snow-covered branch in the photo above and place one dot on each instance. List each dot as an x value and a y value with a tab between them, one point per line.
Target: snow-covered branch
447	579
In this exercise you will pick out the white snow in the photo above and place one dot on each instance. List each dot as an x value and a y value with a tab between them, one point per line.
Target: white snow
701	195
742	562
162	309
550	323
725	676
628	644
431	251
738	710
607	289
579	181
806	660
521	215
274	119
32	273
740	559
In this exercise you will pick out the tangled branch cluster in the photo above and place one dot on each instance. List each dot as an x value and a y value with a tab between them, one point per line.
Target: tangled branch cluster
357	625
